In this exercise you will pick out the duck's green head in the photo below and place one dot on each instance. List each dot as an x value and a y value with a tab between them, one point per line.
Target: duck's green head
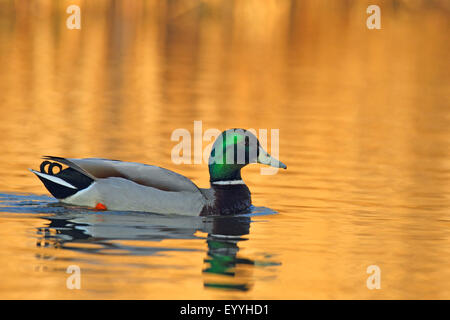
233	150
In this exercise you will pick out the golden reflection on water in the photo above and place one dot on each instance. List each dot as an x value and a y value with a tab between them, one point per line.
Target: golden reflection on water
364	130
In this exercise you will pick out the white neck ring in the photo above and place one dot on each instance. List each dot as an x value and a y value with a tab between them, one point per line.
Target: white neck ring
228	182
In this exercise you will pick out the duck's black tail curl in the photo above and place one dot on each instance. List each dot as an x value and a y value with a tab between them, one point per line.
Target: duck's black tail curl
64	183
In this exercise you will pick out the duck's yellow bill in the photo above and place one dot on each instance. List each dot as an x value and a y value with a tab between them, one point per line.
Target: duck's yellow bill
265	158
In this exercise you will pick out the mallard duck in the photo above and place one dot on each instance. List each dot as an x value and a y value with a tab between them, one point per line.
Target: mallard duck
127	186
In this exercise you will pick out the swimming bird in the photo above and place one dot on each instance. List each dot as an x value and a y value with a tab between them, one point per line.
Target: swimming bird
129	186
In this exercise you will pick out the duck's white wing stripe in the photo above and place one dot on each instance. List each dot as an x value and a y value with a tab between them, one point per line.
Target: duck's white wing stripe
53	179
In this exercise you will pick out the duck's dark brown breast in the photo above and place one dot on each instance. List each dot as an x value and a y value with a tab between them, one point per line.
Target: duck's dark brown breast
228	200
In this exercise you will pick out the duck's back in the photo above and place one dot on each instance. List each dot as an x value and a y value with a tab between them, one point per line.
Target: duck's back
146	175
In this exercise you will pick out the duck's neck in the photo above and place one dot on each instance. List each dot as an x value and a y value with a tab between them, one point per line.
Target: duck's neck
227	197
224	172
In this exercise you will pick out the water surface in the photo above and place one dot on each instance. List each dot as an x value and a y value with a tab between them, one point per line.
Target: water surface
364	122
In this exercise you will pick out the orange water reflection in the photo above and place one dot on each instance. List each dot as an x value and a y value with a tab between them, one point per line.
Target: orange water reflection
364	130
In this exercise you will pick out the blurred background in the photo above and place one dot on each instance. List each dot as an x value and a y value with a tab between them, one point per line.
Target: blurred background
363	117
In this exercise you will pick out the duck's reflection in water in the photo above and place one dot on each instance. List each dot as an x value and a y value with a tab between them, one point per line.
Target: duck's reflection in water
97	233
224	235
